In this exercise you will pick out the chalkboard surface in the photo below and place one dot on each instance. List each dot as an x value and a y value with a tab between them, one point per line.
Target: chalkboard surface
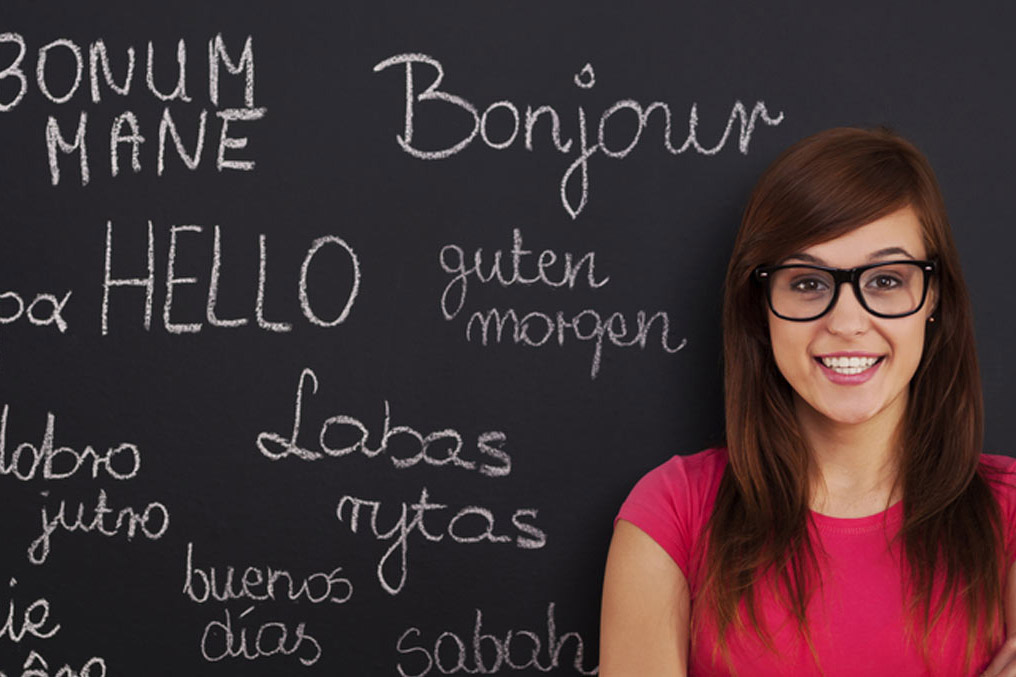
332	335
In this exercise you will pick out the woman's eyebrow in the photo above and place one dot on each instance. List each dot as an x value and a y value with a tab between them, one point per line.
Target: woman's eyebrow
890	251
874	256
807	258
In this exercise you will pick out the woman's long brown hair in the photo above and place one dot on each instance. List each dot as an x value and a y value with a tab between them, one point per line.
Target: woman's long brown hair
817	190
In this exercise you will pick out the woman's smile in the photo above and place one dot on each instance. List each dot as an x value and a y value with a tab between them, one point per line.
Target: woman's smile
849	368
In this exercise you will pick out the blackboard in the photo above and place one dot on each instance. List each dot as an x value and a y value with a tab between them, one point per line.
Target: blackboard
332	337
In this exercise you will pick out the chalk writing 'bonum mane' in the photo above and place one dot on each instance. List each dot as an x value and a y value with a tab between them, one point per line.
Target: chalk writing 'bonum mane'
579	168
126	127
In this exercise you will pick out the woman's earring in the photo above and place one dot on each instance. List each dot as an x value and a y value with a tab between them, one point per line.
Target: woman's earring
931	318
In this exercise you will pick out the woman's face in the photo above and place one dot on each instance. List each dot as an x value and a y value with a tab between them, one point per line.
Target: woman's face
879	392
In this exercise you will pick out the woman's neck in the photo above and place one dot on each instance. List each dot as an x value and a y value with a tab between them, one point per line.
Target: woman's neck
853	464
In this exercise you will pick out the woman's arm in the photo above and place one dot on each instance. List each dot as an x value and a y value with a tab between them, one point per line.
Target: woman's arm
644	620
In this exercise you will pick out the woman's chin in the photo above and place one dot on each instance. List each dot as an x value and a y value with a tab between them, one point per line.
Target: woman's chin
846	413
852	418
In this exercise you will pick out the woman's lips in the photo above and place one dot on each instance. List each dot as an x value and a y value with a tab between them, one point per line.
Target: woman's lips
849	379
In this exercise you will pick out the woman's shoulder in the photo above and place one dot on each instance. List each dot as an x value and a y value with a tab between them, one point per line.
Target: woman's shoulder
702	465
672	502
681	472
999	462
1000	472
684	478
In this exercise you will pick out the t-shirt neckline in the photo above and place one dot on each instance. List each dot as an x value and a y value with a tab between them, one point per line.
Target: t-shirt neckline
890	516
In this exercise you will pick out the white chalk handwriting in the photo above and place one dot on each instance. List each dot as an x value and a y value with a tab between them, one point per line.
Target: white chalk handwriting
36	666
487	654
341	300
454	261
258	584
535	329
152	522
230	639
48	462
126	128
455	105
43	310
33	620
470	524
438	448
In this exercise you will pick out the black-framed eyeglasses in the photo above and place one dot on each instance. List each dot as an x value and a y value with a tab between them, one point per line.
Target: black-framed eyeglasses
801	292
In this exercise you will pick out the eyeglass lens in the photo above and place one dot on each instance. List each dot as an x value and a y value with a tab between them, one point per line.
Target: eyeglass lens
802	292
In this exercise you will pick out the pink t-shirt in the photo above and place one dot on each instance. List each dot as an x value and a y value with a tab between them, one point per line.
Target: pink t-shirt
857	623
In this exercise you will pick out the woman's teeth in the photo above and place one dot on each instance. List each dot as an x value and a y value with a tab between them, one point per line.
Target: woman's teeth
849	365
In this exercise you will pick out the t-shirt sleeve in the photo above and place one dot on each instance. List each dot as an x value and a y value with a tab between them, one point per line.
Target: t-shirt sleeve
662	504
1004	485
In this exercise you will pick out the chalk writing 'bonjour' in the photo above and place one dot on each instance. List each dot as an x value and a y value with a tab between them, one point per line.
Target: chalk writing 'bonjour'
584	80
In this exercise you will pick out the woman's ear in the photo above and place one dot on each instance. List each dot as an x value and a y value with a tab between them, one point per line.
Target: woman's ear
931	303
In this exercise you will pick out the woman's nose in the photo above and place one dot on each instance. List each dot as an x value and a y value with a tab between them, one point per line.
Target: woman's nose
847	316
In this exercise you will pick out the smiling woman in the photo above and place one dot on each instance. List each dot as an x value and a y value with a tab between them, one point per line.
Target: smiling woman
852	507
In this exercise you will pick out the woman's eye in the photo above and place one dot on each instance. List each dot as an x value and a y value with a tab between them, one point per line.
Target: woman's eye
884	282
808	284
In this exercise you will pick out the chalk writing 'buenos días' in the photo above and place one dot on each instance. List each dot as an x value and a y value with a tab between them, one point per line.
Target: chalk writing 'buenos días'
486	653
504	135
322	251
405	446
235	637
470	524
